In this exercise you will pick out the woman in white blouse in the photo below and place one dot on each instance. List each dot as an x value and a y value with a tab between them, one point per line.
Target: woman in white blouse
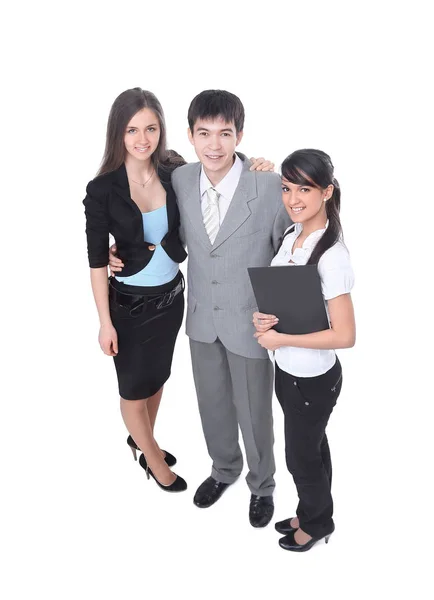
308	373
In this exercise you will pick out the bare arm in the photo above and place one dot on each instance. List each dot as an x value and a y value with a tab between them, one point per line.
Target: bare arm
98	279
108	339
97	231
342	332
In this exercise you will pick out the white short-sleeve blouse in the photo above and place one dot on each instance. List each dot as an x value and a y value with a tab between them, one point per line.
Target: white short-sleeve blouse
337	278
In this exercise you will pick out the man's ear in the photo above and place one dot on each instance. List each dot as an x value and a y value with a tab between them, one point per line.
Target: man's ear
190	135
239	137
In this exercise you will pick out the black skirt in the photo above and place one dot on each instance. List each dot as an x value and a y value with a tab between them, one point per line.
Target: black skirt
147	332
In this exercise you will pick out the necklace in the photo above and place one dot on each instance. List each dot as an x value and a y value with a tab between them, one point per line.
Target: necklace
147	181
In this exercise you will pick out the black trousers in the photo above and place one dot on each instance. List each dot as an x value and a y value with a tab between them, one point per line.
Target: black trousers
307	404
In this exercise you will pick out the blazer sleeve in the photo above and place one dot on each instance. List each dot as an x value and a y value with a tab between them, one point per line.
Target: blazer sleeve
97	226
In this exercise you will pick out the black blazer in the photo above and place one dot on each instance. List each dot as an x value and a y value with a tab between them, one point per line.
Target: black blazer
110	209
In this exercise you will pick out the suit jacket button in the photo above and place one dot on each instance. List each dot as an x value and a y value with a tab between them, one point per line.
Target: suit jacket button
163	243
152	248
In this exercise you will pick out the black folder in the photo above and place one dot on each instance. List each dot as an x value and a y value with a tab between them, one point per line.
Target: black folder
292	293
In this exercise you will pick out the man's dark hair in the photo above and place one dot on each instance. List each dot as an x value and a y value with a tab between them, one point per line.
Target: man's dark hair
212	104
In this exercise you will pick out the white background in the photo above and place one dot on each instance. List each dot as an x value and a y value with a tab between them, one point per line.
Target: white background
79	518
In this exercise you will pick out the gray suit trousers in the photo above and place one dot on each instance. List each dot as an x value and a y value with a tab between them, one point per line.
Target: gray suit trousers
233	390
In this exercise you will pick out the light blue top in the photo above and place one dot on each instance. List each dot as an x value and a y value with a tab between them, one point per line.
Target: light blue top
161	268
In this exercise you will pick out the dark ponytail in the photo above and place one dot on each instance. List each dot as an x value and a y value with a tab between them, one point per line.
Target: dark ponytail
315	168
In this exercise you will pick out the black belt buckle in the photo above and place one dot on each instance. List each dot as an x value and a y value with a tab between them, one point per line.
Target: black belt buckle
131	303
166	300
137	309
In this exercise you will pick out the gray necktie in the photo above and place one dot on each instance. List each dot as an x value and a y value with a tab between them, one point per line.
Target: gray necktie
211	216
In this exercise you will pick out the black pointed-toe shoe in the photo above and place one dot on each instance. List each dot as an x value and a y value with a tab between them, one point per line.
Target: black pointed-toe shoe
288	542
284	527
179	485
209	492
169	459
261	510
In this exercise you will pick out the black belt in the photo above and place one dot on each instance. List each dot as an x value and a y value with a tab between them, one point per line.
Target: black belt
134	302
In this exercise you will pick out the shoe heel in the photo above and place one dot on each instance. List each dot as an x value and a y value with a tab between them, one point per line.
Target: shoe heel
147	472
134	451
327	537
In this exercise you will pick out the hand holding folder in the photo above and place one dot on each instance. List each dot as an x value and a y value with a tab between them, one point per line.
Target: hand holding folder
293	294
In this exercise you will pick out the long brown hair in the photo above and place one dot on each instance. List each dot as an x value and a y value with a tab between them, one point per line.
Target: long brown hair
123	109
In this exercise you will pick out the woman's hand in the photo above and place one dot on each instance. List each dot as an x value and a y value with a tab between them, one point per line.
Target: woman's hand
263	322
115	263
260	164
270	340
108	340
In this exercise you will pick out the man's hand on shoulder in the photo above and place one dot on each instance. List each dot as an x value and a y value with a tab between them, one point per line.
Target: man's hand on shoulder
261	164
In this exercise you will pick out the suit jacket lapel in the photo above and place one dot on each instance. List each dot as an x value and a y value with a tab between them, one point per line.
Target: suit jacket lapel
238	210
120	183
171	206
122	187
191	203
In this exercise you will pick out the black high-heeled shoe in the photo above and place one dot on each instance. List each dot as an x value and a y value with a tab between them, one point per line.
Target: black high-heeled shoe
179	485
284	527
288	542
169	459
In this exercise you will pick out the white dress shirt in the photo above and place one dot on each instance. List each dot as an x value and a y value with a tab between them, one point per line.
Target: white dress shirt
226	188
337	278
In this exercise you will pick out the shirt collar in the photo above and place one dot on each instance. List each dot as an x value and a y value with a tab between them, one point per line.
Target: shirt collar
312	238
227	186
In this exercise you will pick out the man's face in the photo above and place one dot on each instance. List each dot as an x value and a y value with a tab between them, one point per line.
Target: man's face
215	141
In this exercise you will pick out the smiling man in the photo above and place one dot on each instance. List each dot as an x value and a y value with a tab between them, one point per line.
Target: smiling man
231	219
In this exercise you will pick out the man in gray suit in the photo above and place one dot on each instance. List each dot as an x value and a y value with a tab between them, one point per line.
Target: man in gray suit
231	219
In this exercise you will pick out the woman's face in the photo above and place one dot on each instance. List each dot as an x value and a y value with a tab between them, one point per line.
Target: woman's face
304	202
142	134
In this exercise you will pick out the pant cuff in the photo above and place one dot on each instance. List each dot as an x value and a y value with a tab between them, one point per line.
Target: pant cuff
317	531
223	477
262	491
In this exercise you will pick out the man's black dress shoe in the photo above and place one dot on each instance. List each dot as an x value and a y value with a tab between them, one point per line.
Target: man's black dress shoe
209	492
288	542
261	510
285	526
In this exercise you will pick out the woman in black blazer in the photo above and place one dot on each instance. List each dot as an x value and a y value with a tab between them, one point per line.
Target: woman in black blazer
141	312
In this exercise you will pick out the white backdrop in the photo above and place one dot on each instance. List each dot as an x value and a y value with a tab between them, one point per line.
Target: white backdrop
80	520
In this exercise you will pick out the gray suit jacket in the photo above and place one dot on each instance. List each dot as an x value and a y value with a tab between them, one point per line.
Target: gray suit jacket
220	297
